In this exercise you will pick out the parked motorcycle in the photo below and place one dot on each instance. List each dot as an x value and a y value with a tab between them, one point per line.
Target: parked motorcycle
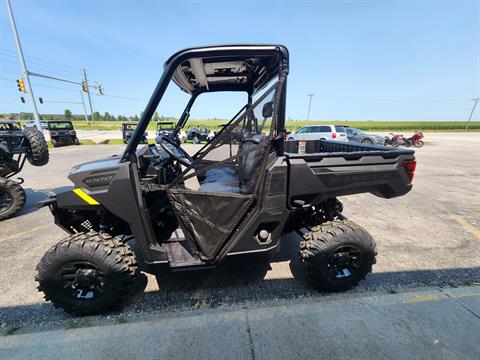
416	139
400	140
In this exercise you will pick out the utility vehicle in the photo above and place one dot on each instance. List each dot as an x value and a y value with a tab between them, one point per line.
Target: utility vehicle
16	146
62	133
128	128
165	128
198	134
184	212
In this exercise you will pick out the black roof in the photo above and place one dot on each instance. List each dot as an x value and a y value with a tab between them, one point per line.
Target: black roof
226	67
9	121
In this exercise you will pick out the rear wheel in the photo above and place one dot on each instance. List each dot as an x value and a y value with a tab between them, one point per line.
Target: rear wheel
12	198
336	255
38	154
419	143
87	273
367	141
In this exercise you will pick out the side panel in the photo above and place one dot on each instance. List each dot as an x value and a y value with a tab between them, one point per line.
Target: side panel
117	190
316	181
270	214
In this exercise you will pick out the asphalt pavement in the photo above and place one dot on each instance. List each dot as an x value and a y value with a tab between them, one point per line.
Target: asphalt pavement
430	237
432	324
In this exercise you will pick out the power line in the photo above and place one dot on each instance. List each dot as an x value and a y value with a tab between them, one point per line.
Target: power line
37	59
122	97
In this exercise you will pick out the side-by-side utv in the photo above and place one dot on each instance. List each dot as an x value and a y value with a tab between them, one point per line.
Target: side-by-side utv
16	146
62	133
128	128
157	207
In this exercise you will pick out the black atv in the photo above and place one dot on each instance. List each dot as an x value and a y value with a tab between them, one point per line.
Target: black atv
128	128
62	133
16	146
198	134
157	208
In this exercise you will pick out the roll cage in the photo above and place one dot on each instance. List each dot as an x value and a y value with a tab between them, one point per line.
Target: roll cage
247	68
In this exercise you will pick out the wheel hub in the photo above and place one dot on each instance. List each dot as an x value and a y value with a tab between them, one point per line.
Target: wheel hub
344	261
82	280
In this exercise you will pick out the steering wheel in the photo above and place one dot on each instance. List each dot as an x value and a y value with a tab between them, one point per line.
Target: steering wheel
178	154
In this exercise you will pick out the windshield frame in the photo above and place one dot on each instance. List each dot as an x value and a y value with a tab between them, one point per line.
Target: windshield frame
278	52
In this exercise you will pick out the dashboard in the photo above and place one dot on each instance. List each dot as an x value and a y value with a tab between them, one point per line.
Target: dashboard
155	162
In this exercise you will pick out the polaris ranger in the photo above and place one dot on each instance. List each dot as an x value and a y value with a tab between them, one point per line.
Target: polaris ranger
128	129
16	146
62	133
184	212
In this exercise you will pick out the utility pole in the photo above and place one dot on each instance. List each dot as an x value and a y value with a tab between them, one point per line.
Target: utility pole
24	66
88	94
471	113
84	107
309	105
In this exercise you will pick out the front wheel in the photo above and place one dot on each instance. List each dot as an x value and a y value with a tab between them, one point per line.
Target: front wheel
87	273
12	198
367	141
337	255
38	147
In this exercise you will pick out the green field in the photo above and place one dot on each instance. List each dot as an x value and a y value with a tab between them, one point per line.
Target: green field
294	125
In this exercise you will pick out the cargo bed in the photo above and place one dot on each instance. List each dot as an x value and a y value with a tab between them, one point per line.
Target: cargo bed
321	169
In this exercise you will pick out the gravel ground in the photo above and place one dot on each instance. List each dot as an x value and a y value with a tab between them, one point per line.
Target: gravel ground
430	237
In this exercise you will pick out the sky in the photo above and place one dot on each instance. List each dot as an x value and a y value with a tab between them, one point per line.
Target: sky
362	60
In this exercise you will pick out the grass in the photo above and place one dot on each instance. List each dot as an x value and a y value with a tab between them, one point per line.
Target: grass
75	324
294	125
121	321
12	330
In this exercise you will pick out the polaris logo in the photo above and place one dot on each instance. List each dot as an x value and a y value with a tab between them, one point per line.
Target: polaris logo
101	180
341	180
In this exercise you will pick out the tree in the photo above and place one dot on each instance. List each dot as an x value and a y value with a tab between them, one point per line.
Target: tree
67	114
136	118
156	117
96	116
106	116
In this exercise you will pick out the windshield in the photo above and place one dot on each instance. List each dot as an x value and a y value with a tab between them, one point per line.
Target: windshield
60	126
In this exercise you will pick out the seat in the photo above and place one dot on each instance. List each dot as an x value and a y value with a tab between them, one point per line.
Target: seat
241	179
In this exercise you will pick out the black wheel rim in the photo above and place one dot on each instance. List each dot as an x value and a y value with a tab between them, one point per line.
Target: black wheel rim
344	262
82	280
6	201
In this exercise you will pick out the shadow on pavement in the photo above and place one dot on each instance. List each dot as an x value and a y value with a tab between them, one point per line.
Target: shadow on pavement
236	284
34	196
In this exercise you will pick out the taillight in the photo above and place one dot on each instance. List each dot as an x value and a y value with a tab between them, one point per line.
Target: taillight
334	135
410	166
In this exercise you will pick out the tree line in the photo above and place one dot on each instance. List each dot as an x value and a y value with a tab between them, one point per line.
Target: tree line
68	115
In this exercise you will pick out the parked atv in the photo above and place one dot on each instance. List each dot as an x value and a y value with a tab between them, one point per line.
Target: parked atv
128	128
198	134
157	207
62	133
16	146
